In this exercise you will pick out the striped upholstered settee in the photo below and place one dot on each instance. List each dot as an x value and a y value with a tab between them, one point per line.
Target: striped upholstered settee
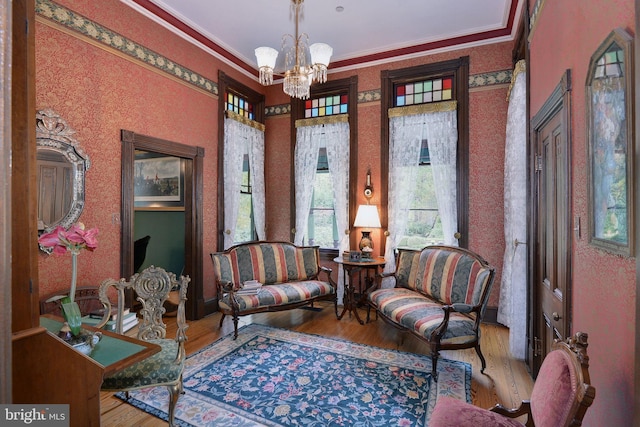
290	277
440	296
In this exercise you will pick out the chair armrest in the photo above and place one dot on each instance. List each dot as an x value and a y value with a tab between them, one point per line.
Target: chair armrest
328	271
378	279
226	286
181	320
440	330
523	409
462	308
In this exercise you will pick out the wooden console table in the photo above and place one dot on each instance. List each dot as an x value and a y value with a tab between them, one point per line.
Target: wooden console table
48	370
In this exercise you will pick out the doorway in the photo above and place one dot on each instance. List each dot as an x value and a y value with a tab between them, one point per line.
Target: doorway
189	210
550	293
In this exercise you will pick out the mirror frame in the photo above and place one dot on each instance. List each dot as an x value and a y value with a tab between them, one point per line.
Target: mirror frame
53	133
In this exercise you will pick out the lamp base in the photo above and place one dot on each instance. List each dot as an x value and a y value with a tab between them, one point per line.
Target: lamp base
366	241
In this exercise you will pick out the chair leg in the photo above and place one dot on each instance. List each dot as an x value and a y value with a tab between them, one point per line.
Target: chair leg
175	391
221	320
435	354
235	326
484	362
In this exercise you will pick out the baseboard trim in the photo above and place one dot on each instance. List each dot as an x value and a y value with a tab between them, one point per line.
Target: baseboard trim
491	315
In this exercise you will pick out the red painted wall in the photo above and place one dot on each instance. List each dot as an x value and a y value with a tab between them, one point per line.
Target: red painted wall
565	36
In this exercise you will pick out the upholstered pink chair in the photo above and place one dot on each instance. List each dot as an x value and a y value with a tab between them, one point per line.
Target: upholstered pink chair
560	396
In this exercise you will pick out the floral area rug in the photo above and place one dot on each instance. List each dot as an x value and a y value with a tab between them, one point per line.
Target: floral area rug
274	377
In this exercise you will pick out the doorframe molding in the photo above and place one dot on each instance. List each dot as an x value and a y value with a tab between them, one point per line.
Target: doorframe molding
559	102
636	186
131	142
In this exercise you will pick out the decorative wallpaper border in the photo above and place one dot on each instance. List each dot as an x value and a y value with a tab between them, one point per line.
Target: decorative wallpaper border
490	79
66	18
277	110
78	23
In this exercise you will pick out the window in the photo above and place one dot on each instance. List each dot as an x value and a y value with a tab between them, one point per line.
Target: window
322	226
325	129
428	91
239	105
323	229
423	91
241	209
424	226
245	230
326	106
245	227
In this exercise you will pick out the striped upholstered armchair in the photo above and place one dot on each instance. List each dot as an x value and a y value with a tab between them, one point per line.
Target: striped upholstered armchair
440	296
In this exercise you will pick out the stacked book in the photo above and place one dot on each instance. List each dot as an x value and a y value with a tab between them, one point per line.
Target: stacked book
250	287
129	319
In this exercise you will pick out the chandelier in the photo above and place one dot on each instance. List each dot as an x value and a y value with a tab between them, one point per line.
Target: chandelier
304	64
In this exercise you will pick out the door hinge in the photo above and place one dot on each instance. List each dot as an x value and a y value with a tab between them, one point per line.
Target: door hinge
538	163
537	347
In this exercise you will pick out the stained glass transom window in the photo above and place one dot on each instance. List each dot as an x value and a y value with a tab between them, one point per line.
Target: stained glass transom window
610	64
423	91
326	106
240	105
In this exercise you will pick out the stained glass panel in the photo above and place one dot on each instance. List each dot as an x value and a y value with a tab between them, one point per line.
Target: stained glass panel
325	106
423	92
240	106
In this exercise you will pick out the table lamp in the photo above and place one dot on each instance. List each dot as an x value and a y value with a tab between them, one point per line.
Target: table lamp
367	217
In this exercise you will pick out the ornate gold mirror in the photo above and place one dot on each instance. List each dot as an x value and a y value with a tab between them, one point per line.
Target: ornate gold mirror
61	168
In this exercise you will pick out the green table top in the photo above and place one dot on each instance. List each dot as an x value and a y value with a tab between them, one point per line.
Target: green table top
109	349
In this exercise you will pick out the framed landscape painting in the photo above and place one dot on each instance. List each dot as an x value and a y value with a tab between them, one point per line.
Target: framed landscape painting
158	182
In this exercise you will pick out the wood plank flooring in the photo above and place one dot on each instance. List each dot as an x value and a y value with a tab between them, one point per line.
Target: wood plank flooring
505	380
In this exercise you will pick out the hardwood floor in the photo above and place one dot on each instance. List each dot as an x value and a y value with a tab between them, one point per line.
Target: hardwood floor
505	380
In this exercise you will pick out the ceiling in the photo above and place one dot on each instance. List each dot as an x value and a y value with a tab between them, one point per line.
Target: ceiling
363	33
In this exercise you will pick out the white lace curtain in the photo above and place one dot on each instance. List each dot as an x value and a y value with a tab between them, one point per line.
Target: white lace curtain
309	139
512	310
407	132
241	139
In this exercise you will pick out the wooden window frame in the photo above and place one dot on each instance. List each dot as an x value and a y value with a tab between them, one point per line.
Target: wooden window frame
459	68
297	112
226	83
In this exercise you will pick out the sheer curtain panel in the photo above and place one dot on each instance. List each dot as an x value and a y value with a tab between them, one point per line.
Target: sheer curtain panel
512	310
408	127
240	139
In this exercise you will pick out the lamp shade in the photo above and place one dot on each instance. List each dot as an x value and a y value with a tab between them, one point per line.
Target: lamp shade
367	217
320	53
266	57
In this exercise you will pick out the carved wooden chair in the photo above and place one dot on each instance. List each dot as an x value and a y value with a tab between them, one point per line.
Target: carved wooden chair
560	396
152	287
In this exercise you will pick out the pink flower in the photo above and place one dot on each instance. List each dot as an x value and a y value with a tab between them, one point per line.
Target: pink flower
74	239
52	239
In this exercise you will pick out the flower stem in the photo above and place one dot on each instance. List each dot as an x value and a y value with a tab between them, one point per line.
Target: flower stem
74	273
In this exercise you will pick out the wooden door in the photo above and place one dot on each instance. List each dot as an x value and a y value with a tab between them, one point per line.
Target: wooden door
552	272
